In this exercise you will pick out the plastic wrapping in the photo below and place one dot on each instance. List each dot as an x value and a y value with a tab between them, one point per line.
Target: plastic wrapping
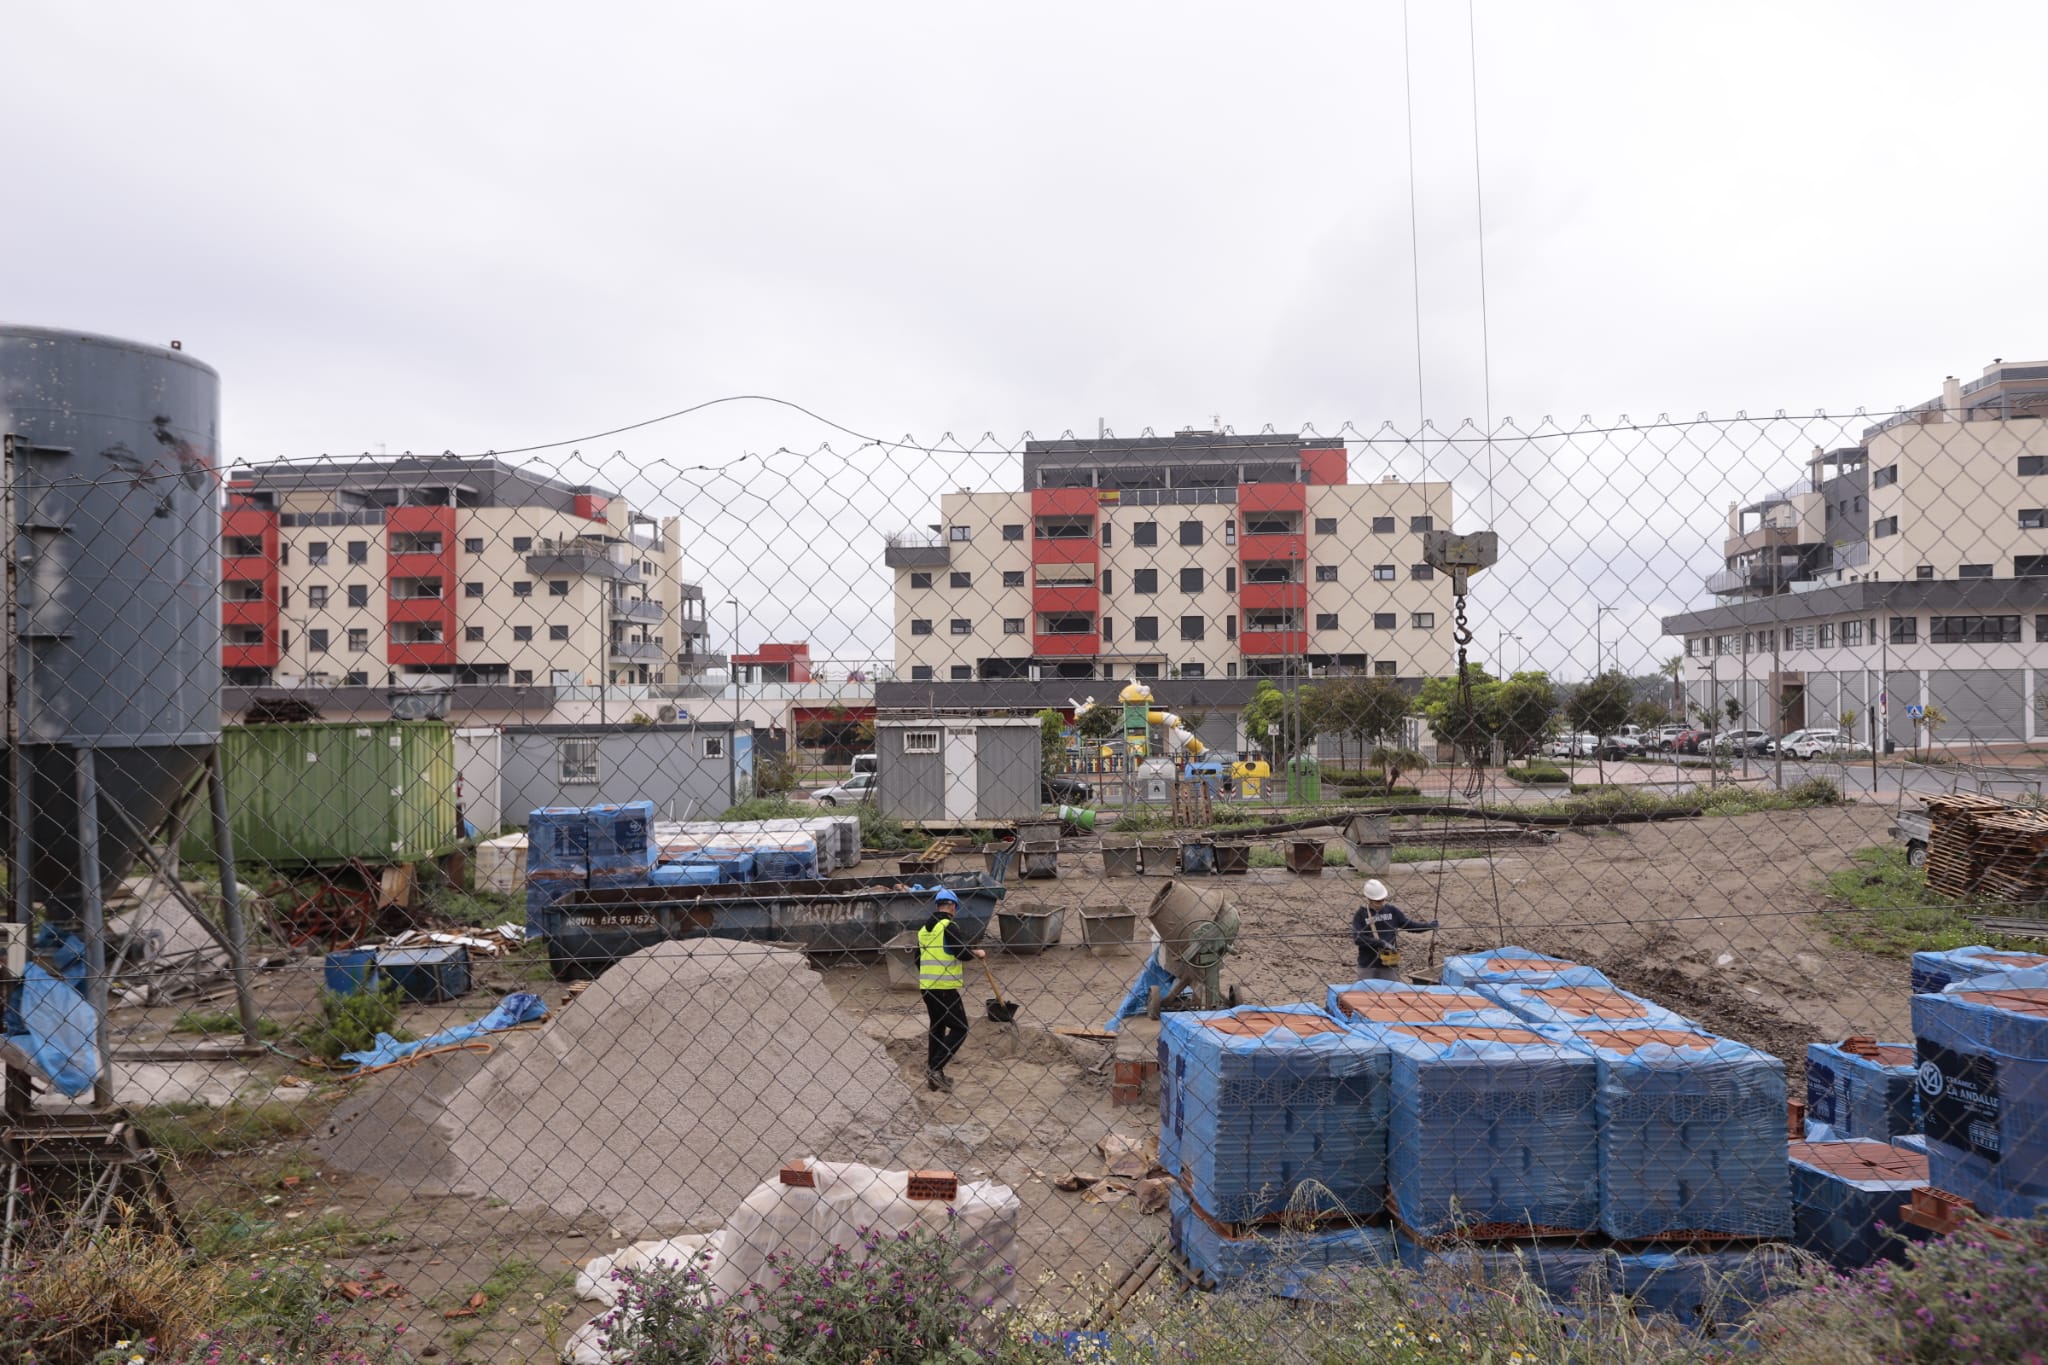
558	840
1846	1198
1983	1053
1691	1134
1705	1289
1579	997
1490	1126
545	886
1936	972
1263	1107
1152	976
1852	1096
1504	965
791	857
837	837
1557	1269
518	1008
53	1026
1369	1003
1286	1261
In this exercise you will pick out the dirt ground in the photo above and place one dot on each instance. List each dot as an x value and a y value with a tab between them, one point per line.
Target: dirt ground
1714	918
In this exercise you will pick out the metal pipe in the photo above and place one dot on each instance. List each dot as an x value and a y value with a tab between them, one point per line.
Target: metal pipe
93	913
230	895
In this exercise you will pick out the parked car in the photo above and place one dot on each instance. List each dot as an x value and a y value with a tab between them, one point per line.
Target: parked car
1687	741
1739	742
1065	791
1784	742
1574	745
854	790
1617	746
1820	744
1664	738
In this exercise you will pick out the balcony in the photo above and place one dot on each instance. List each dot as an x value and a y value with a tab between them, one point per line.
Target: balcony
1273	596
1273	642
256	613
906	550
1065	645
1293	547
640	609
698	663
639	651
580	557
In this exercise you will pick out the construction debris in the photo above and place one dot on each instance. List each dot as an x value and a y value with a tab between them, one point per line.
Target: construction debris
1983	848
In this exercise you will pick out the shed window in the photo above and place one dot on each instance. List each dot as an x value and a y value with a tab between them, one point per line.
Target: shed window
579	761
714	746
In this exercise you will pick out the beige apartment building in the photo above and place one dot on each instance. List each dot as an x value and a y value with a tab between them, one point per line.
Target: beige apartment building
469	573
1198	562
1909	572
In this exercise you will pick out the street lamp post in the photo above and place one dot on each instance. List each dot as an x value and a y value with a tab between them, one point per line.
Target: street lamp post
1598	612
732	671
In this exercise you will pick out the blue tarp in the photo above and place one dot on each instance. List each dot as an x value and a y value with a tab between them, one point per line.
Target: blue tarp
1137	997
1705	1289
57	1030
1291	1260
1490	1126
1850	1096
1253	1122
1456	1007
1984	1090
1502	965
1692	1135
1936	972
1555	1268
1554	999
1851	1221
517	1008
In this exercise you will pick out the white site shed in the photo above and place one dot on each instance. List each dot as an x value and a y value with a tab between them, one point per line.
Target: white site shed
958	767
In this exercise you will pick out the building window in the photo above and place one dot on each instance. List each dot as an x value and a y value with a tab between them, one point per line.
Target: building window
558	587
1326	526
522	588
558	632
1145	671
1383	526
1105	534
1230	578
578	761
920	580
2028	464
1144	580
1326	573
1191	533
1973	630
284	640
1230	530
358	595
714	746
1827	635
316	596
2041	630
1108	629
1419	525
920	741
1193	672
1884	526
1384	620
961	673
1974	571
1190	580
1071	623
1326	620
961	625
1106	580
2033	518
522	545
920	672
1924	572
359	551
1885	477
1013	625
1424	620
1383	668
1382	573
1852	632
960	578
1192	627
1145	533
920	626
958	533
1145	628
358	641
1012	578
1421	573
1013	530
355	680
473	634
2029	566
316	552
1230	626
522	633
472	590
316	641
1905	629
522	677
473	545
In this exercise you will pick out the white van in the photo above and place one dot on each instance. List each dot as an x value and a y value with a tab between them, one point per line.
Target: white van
864	763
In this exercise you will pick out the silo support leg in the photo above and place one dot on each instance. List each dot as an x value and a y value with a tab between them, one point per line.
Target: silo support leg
230	896
94	914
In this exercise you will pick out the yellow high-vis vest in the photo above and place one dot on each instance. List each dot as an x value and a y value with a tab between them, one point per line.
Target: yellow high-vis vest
937	970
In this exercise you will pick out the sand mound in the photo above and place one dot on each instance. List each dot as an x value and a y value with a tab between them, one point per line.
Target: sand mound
672	1086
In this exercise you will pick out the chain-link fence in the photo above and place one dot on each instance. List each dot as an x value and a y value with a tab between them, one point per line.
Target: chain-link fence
864	839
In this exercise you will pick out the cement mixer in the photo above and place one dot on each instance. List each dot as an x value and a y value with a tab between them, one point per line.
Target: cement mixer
1197	927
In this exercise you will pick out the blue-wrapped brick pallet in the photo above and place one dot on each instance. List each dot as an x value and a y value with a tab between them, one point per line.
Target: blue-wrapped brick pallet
1936	972
1865	1091
1704	1289
1692	1134
1846	1198
558	840
1221	1256
1504	965
1557	1269
1256	1103
1490	1127
1983	1052
543	888
1579	997
1369	1003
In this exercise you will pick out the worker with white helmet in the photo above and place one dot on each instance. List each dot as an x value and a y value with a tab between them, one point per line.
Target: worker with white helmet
1376	928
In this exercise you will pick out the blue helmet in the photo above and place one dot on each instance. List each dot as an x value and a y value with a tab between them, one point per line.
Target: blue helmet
945	897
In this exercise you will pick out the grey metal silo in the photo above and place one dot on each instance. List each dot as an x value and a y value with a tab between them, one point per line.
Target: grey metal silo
113	480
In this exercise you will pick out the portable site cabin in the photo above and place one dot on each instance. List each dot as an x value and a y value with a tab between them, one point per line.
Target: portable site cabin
689	771
959	767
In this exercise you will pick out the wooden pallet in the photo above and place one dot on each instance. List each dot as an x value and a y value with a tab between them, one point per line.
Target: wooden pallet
929	857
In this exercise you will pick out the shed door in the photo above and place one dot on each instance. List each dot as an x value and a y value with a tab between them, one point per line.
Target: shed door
961	790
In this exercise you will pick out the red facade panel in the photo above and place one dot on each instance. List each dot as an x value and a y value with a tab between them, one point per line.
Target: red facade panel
442	654
1065	646
1272	497
1063	502
1082	597
592	507
1076	550
1253	548
407	521
251	523
1326	466
1273	642
1259	596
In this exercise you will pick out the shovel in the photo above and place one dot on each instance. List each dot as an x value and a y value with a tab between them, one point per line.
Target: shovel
1000	1011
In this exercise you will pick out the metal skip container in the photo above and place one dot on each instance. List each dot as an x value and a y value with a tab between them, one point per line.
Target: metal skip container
113	475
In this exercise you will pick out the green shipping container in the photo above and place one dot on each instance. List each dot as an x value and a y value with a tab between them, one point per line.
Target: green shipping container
326	793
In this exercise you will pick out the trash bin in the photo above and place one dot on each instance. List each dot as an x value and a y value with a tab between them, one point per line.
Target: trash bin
1119	860
1233	858
1304	780
1027	931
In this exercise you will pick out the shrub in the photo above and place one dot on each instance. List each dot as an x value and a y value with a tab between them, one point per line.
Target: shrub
770	808
351	1023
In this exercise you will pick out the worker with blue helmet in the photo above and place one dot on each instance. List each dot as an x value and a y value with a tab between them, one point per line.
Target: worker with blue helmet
940	977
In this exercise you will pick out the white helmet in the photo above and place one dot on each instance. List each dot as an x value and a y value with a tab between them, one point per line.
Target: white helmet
1375	890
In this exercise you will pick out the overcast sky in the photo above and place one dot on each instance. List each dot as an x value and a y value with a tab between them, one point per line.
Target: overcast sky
469	226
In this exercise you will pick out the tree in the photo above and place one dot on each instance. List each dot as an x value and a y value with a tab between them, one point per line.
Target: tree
1291	712
1649	714
1932	718
1518	712
1600	707
1052	740
1525	708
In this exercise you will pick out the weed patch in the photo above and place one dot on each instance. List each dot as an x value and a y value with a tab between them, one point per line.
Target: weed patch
193	1021
1884	907
351	1023
188	1131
